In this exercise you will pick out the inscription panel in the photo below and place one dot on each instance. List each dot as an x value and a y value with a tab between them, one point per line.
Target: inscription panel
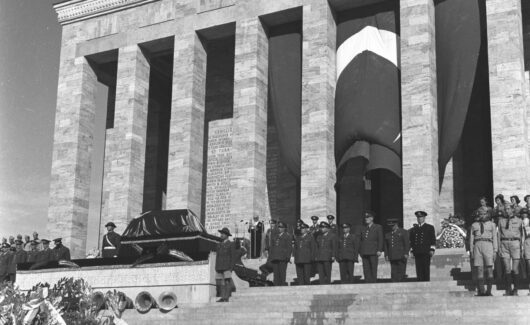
217	206
208	5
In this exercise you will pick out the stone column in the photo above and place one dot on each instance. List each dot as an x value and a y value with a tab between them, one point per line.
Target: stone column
126	141
249	141
186	133
507	98
317	184
72	154
419	111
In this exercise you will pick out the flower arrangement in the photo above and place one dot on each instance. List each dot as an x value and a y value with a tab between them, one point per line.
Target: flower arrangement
452	234
69	301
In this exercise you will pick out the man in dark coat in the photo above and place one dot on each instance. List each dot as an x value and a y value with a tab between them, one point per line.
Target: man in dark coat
224	264
19	257
347	253
371	246
326	252
32	254
332	226
266	268
256	232
280	253
60	252
111	242
397	247
423	244
44	256
304	253
314	229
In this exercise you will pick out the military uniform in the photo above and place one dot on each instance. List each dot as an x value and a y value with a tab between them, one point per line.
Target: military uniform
19	257
224	264
347	255
60	252
326	251
280	254
5	260
397	247
422	243
510	242
371	243
42	258
304	253
111	244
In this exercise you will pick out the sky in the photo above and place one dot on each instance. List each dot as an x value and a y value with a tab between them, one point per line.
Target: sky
30	40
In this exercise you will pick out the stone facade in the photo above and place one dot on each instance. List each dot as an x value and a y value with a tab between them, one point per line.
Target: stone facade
92	27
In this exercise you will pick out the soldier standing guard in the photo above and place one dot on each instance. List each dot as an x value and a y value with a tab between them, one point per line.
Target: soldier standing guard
371	247
397	247
423	244
224	264
256	231
60	252
511	236
326	252
280	253
111	242
347	253
483	246
304	252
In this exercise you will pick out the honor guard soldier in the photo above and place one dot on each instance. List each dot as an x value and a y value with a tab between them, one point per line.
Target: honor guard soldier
111	241
511	238
332	226
371	246
397	247
60	252
347	253
304	253
423	244
266	268
326	252
483	246
224	264
44	256
280	253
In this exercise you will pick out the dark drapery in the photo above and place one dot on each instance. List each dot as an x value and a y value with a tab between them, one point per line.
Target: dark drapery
285	91
367	98
458	41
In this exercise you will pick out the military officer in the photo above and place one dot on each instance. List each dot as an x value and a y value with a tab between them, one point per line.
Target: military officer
44	256
266	268
332	226
483	246
347	253
60	252
32	254
314	229
304	252
326	252
5	260
423	244
511	236
111	241
19	257
397	247
280	253
224	264
371	246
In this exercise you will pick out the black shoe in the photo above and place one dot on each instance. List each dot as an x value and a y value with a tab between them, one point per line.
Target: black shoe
222	300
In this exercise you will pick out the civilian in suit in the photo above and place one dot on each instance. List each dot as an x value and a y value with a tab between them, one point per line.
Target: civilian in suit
347	253
224	264
280	253
266	268
326	252
304	253
397	247
256	232
371	246
423	244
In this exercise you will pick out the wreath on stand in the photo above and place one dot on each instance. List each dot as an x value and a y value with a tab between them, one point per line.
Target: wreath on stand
453	234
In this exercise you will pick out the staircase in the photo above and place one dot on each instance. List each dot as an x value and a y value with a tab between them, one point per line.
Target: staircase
447	299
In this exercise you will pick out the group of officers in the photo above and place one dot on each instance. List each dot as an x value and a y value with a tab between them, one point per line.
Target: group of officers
315	248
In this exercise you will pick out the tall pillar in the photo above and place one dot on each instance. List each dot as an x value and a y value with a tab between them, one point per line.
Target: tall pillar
186	130
72	154
126	141
419	111
509	130
317	184
249	139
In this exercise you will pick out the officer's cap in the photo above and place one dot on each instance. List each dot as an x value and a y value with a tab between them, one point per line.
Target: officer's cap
314	218
369	214
420	214
58	240
282	225
225	231
330	217
346	225
324	224
392	221
111	224
304	226
45	241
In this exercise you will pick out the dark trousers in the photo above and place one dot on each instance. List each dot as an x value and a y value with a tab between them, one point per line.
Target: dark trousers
346	271
423	266
279	268
109	253
370	268
303	273
398	269
324	272
266	268
255	244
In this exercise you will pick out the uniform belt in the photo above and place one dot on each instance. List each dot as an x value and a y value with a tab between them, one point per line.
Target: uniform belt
510	239
483	239
109	247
